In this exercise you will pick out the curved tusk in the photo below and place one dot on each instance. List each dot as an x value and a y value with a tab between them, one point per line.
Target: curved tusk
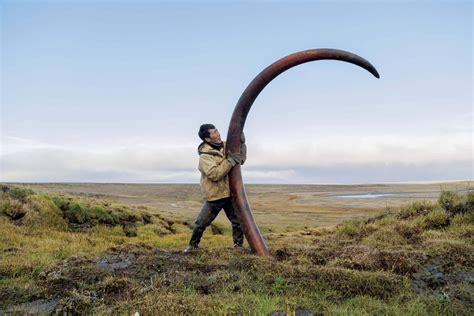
239	116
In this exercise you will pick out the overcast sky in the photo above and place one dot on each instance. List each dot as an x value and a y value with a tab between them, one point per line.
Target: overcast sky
109	91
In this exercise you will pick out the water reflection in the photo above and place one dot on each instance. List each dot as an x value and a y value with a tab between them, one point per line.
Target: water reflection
366	195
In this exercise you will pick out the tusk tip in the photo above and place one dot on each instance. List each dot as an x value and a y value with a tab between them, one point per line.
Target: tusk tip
374	72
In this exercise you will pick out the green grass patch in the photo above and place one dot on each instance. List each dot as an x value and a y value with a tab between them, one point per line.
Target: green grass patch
99	257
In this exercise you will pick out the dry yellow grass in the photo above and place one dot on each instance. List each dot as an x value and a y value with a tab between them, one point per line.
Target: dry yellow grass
415	261
277	208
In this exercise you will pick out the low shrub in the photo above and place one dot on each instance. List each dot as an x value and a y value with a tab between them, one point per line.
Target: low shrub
410	232
11	208
385	237
436	219
454	203
15	192
416	209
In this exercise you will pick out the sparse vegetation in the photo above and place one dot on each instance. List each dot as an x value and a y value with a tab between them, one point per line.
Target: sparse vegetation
69	254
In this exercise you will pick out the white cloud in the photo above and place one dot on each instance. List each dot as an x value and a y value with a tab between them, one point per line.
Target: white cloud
27	160
354	151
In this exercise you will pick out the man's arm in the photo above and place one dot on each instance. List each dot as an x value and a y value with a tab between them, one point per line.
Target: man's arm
212	170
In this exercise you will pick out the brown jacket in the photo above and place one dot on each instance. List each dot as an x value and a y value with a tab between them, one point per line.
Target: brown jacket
214	166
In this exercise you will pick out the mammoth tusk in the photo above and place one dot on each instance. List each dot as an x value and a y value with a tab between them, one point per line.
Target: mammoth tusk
239	116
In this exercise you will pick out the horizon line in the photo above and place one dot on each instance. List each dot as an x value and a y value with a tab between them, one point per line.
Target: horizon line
251	183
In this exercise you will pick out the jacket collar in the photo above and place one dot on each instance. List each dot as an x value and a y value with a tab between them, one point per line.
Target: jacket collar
205	148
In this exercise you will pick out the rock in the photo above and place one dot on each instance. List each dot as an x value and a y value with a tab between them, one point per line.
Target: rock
112	264
41	307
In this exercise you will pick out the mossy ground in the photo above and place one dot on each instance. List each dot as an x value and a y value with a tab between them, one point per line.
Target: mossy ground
81	255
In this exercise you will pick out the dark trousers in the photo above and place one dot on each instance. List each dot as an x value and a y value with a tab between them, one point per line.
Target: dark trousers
208	213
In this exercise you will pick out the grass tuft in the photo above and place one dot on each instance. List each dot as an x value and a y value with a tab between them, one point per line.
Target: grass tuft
90	256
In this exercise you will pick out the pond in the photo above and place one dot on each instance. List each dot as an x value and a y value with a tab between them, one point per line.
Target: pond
367	195
375	195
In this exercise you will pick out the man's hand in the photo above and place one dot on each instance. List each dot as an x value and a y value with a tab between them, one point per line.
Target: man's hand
236	158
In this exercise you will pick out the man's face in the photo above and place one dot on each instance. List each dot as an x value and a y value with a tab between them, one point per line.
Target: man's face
214	136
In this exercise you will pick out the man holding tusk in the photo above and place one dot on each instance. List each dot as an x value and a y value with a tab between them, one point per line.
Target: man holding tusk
215	162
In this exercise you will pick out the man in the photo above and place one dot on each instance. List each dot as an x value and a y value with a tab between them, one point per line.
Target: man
214	166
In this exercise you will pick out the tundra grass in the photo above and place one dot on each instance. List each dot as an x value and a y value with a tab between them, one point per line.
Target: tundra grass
63	254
